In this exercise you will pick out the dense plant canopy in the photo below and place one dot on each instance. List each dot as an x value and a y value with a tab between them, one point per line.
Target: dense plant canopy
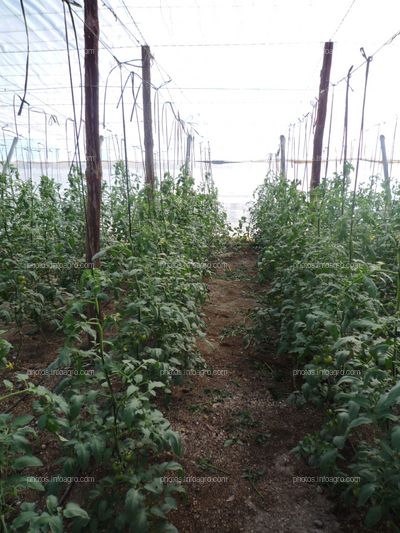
333	302
129	329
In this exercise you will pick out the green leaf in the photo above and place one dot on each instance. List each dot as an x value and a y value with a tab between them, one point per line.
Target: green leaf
328	458
30	482
171	465
156	511
8	384
88	329
75	405
156	384
51	503
56	524
134	505
348	379
82	454
175	443
21	443
366	492
131	410
99	254
102	296
359	422
26	461
73	510
155	487
370	286
103	510
21	421
97	446
42	520
393	394
339	441
374	516
344	340
5	316
169	504
395	438
24	518
368	475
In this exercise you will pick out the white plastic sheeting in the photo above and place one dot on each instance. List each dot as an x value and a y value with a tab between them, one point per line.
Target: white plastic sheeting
46	127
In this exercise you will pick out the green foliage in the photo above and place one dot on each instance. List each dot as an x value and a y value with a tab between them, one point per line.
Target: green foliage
340	322
130	328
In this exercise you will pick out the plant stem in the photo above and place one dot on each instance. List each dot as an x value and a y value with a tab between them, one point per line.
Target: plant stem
16	393
3	523
397	311
113	399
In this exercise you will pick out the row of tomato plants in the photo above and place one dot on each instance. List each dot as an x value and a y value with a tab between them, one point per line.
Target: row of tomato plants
333	304
130	328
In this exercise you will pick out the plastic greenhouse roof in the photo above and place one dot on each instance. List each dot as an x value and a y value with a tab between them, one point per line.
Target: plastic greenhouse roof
47	116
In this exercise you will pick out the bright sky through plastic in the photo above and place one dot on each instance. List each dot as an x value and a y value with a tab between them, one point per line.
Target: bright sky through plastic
245	96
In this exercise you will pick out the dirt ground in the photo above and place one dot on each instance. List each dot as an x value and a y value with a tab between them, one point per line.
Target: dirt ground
238	428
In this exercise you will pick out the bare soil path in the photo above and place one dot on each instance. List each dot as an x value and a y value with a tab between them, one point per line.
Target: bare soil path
238	428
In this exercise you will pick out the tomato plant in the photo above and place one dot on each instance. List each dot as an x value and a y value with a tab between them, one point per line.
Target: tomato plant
146	298
337	314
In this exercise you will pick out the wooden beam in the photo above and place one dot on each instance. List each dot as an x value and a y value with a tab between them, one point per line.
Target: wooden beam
93	158
147	117
321	115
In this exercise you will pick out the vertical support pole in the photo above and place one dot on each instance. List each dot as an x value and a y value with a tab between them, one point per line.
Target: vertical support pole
147	119
384	158
93	159
283	156
46	146
10	154
201	161
321	115
386	185
345	137
210	163
188	157
329	134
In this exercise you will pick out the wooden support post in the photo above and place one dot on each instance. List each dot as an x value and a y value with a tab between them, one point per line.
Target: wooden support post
188	157
93	158
283	156
321	115
147	119
386	184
